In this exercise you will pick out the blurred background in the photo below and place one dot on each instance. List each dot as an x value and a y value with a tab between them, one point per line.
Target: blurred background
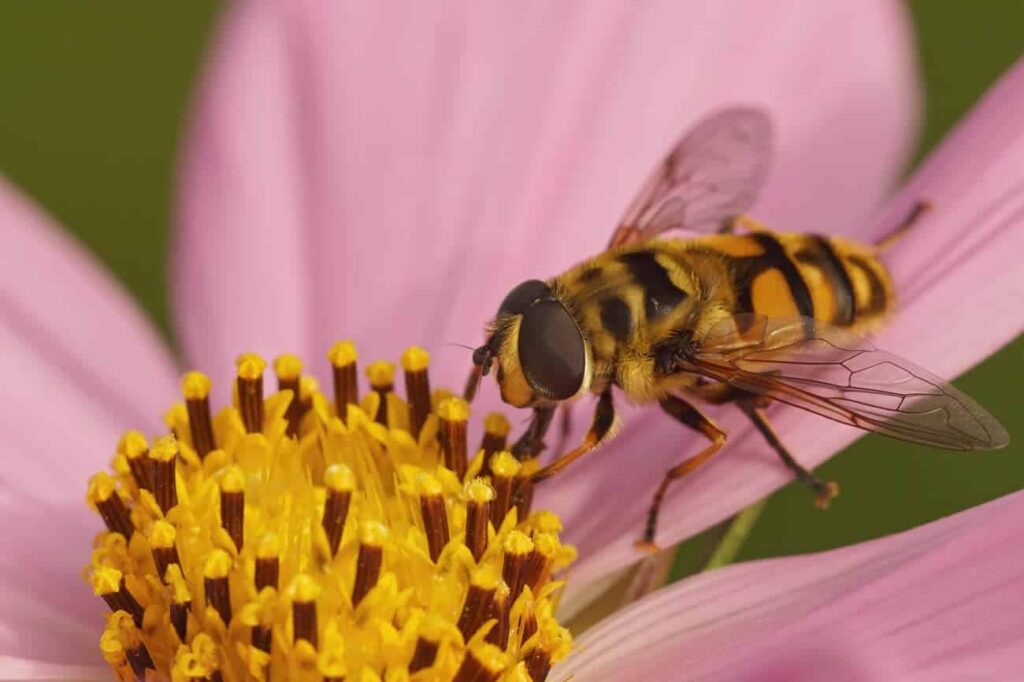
93	102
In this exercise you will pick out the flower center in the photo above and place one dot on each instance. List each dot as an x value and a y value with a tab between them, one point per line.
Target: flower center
299	538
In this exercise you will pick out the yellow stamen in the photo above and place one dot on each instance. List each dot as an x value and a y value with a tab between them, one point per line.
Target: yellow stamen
134	447
250	390
453	416
196	388
417	387
165	484
307	542
343	358
288	369
496	428
382	380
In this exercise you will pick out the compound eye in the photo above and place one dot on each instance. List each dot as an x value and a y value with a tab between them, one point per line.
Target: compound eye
551	351
520	298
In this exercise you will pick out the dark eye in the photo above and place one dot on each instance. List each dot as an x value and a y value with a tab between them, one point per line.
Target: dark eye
520	298
551	350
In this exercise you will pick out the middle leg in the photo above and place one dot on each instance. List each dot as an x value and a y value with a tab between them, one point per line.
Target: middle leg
690	416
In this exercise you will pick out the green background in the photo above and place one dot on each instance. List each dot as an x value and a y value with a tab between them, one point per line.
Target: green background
93	97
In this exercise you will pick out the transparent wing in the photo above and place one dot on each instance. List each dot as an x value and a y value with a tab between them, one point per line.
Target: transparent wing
839	375
711	176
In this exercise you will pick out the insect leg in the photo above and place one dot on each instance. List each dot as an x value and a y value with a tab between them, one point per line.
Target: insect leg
531	443
918	210
690	416
604	417
825	490
564	427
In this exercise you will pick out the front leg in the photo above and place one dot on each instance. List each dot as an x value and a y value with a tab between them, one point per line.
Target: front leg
604	419
531	443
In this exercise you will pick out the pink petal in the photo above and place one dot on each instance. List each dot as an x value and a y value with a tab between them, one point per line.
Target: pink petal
962	284
26	669
385	172
80	364
944	601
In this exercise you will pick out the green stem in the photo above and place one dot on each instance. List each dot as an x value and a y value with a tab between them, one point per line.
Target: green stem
739	529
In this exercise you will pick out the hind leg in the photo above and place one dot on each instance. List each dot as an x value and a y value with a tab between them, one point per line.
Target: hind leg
824	490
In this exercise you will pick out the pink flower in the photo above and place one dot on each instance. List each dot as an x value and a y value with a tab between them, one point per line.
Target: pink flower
471	149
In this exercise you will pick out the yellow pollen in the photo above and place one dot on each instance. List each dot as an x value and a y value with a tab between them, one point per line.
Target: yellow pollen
305	588
381	373
101	487
518	543
250	366
233	480
497	423
340	478
298	541
165	449
217	565
133	444
505	465
415	359
269	547
106	580
163	534
342	353
479	491
453	410
196	386
373	533
287	367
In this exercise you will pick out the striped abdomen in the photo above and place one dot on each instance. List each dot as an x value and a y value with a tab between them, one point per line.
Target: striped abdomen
829	279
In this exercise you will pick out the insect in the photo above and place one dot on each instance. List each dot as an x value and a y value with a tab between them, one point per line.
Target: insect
737	314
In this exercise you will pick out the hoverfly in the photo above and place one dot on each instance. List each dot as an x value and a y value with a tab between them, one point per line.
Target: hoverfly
739	314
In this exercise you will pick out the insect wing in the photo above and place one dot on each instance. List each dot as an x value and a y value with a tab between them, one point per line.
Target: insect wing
711	176
839	375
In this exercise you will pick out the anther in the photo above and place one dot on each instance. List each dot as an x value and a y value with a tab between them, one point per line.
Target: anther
482	663
417	387
305	591
518	548
545	548
372	536
538	664
232	504
308	387
340	482
136	451
288	369
501	606
382	380
496	429
165	485
453	415
435	515
268	562
504	471
479	601
268	570
162	538
479	497
250	390
343	358
108	584
215	580
123	632
196	388
424	654
104	497
181	600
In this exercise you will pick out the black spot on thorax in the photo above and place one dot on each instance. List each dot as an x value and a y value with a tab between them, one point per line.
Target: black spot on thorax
661	296
616	318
